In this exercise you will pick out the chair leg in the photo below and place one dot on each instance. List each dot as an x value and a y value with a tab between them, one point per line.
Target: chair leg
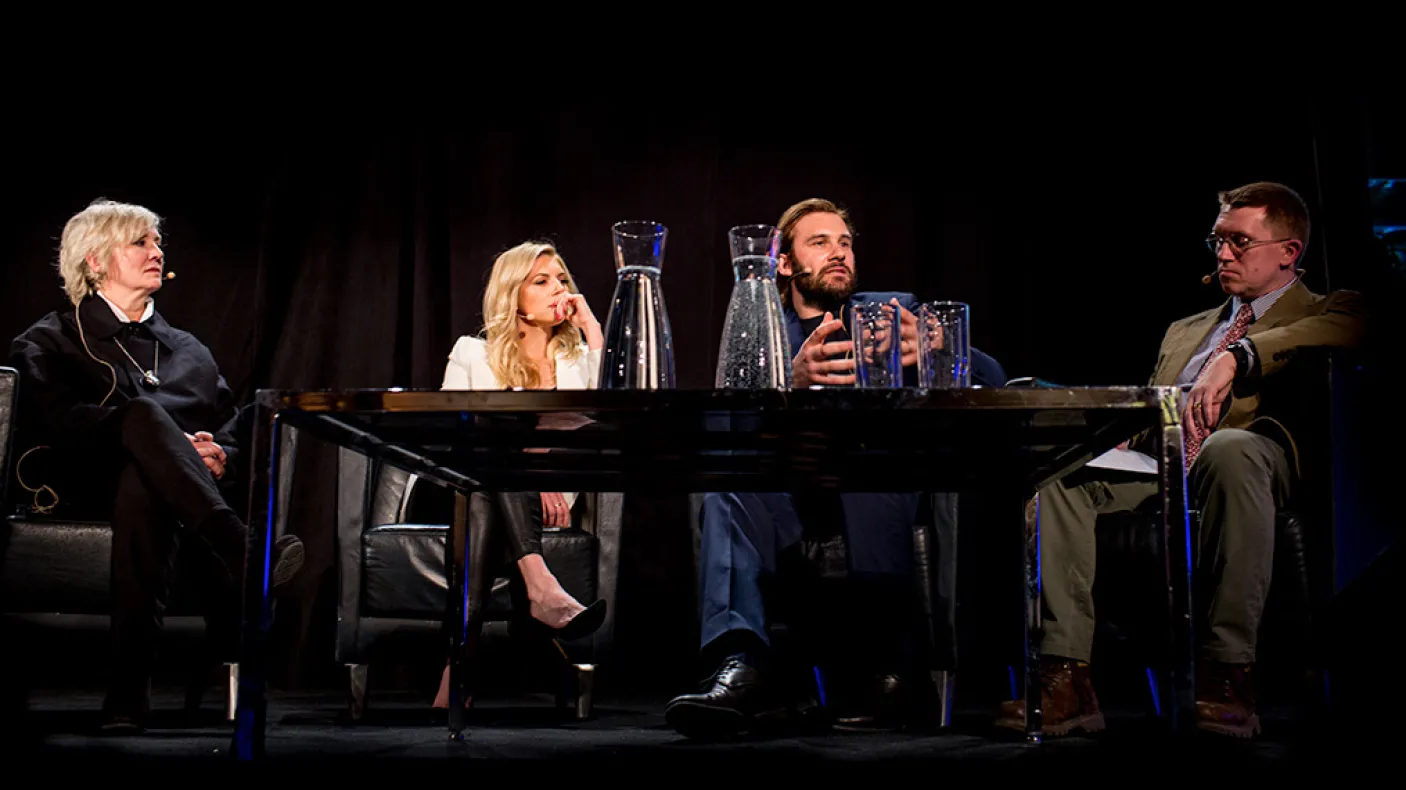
231	690
822	691
200	682
357	676
945	681
1154	688
578	690
1317	693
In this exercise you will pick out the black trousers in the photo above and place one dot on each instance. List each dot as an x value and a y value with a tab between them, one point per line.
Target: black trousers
160	493
515	519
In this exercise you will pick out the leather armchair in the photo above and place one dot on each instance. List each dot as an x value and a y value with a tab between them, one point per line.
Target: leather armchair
392	575
55	572
1128	593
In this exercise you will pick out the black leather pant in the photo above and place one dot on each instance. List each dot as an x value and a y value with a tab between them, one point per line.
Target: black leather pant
514	518
158	484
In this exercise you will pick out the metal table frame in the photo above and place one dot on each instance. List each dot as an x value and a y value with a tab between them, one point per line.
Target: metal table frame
709	440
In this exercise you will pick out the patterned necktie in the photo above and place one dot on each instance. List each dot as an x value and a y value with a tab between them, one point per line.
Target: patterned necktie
1194	438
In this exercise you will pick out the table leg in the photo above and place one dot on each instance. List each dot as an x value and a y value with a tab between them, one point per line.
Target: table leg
1034	631
252	708
456	564
1179	696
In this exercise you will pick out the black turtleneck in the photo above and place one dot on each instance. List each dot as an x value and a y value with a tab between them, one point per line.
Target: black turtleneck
841	335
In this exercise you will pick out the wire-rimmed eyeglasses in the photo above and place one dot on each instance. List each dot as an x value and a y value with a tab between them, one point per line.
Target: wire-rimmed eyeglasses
1238	242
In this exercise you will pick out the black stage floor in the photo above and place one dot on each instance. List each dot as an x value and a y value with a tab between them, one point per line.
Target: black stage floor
60	728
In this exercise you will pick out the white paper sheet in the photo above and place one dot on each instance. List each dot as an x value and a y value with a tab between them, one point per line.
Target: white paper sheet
1126	461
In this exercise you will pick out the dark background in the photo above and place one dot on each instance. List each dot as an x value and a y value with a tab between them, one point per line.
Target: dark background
342	240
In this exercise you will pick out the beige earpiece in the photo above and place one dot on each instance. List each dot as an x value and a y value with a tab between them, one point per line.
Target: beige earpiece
78	319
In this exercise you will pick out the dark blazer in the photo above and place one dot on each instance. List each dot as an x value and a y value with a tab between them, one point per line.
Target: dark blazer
63	387
986	371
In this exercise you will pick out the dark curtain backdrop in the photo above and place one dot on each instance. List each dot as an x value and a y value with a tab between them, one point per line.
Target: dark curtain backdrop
326	252
331	245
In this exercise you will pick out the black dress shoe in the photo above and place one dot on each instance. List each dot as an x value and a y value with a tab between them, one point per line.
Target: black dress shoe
127	705
124	714
880	703
122	724
735	700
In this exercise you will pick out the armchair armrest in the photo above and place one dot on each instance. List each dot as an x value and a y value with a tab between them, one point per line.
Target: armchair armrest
353	493
9	388
287	466
605	521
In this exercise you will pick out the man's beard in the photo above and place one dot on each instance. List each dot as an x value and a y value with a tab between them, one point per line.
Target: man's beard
822	293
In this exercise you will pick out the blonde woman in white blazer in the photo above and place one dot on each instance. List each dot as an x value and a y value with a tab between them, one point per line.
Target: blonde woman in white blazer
538	333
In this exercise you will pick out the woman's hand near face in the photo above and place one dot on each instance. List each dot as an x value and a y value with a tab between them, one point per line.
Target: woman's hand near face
573	308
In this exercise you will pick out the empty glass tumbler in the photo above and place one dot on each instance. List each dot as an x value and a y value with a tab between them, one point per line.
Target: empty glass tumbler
878	360
944	345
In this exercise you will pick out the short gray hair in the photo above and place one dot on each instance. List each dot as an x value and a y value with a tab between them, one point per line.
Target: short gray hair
97	230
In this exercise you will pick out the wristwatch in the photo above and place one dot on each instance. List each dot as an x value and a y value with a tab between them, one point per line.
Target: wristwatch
1244	354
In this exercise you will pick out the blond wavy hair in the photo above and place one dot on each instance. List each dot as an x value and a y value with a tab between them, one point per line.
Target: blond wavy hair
500	312
97	231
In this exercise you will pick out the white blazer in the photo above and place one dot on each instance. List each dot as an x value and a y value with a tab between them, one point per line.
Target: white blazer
468	370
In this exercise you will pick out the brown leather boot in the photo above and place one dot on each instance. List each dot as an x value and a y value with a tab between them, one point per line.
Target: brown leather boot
1225	700
1067	699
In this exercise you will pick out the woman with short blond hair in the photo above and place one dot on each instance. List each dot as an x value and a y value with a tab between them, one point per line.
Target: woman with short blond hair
125	418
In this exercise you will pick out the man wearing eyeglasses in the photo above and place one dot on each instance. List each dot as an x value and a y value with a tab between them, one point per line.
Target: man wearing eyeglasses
1243	364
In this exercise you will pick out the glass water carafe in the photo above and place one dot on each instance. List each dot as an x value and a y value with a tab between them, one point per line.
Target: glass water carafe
639	347
755	352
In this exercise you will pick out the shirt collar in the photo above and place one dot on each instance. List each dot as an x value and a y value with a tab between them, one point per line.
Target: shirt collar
1261	305
122	317
98	319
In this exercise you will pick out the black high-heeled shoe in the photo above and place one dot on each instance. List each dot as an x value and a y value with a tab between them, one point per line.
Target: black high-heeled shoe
584	624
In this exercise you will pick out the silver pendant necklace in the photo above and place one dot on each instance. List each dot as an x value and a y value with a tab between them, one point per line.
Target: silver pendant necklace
149	379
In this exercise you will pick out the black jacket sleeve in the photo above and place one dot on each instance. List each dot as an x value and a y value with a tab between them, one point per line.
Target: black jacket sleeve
47	391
